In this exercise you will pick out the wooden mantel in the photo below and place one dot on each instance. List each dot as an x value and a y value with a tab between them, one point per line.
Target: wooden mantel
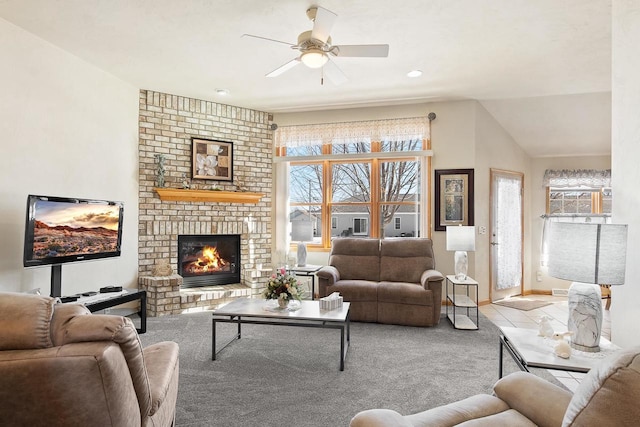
185	195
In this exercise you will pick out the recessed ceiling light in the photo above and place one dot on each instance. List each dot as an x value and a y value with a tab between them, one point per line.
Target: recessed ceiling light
222	92
414	73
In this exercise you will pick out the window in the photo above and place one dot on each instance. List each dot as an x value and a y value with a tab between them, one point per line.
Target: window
578	201
356	194
360	226
358	178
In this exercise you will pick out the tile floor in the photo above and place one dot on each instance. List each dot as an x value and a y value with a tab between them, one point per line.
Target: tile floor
557	311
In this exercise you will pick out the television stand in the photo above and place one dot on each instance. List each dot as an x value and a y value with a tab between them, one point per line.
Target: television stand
108	300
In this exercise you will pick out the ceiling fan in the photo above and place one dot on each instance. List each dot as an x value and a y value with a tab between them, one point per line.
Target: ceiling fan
316	49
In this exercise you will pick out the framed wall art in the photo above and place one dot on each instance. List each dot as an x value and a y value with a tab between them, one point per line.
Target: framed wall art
454	198
212	160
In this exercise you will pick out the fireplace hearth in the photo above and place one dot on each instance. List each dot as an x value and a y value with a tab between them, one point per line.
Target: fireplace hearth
207	260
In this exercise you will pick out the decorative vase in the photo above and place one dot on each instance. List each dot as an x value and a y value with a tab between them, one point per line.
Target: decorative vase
283	303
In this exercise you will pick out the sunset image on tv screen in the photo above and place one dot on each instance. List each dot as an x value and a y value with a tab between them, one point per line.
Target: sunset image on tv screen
63	229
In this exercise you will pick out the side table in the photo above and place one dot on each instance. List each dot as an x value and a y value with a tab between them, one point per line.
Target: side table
462	301
529	350
307	271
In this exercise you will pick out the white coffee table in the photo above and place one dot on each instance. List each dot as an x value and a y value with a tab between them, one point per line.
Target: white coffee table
529	350
261	312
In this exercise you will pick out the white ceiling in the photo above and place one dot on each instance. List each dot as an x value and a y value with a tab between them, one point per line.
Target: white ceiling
542	68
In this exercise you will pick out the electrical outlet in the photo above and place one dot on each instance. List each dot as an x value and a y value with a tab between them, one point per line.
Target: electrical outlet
482	230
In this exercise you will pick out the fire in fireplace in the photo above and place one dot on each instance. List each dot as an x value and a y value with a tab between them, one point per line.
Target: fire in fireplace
206	260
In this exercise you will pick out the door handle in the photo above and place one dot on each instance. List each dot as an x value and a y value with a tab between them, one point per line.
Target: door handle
494	243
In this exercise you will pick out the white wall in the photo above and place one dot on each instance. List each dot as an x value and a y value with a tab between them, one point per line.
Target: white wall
625	152
496	149
68	129
538	207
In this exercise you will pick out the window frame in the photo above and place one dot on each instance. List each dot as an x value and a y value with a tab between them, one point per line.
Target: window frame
597	200
375	158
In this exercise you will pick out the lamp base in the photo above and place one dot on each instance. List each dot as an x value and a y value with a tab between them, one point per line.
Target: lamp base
302	254
585	316
461	264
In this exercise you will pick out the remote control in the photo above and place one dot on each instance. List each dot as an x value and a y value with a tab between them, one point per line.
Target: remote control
89	294
69	299
110	289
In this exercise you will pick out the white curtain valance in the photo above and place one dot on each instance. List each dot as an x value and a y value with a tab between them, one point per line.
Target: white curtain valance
406	129
577	178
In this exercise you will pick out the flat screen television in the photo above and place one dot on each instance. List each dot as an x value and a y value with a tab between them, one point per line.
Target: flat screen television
61	230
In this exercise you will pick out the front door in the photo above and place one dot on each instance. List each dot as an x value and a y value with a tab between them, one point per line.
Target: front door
506	256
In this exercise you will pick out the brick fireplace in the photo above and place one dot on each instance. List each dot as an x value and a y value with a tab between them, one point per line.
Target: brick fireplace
167	125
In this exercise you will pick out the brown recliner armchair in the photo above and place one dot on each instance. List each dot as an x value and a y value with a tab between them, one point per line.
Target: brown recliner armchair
60	365
607	396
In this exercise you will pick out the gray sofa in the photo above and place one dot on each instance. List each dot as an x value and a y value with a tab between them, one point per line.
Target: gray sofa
607	396
390	281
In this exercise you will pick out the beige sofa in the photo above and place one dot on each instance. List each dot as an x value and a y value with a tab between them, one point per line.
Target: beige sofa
607	396
390	281
60	365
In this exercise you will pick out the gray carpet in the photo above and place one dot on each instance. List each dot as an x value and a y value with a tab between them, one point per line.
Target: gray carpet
286	376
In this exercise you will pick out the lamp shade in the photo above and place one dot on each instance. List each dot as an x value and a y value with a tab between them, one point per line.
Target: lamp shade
588	253
301	231
461	238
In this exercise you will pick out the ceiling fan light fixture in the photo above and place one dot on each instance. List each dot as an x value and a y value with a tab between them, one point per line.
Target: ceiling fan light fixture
314	58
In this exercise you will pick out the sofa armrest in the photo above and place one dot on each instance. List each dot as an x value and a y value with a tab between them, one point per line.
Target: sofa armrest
432	280
162	364
379	418
327	276
430	277
537	399
329	273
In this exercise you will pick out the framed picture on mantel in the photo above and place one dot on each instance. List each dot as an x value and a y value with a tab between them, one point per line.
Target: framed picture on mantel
212	159
454	198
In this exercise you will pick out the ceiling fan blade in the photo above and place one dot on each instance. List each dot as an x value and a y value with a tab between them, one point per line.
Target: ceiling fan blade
322	24
362	50
266	38
334	73
281	69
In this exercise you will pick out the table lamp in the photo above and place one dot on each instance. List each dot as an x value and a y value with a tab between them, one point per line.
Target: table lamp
461	238
589	255
301	232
